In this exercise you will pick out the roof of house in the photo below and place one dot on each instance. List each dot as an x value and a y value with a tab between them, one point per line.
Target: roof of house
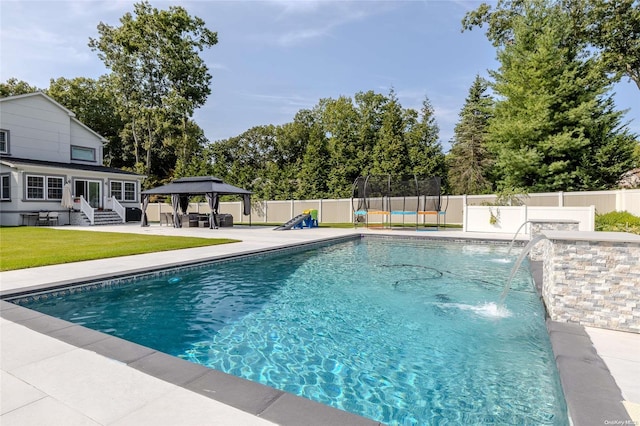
197	185
12	162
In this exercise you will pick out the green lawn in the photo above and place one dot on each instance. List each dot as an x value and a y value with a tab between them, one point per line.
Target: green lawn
27	247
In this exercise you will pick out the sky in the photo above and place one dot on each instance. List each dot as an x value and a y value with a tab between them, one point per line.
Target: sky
274	58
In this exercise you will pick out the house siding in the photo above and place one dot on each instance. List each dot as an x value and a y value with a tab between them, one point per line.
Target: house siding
39	130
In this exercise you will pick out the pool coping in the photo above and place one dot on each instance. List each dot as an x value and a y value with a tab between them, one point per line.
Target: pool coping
590	391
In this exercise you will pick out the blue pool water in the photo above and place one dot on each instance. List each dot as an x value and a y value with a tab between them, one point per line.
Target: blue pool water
400	331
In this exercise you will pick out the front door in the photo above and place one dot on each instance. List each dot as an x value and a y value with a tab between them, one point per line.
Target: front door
90	191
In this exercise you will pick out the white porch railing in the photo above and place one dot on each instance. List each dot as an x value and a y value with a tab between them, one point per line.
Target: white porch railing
86	208
115	205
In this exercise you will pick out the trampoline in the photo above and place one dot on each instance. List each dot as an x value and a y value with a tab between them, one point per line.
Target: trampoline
378	199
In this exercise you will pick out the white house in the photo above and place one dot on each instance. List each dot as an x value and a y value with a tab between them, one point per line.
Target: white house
43	147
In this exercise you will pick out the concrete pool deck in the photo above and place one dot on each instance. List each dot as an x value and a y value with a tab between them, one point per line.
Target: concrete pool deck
49	377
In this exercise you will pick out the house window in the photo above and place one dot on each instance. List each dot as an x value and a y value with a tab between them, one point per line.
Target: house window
5	191
123	191
54	188
82	153
4	141
116	190
129	191
35	188
39	186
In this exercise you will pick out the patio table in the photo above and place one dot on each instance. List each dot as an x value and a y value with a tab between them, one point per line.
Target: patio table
26	218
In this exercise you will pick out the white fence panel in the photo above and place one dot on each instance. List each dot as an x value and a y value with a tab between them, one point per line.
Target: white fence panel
586	216
508	219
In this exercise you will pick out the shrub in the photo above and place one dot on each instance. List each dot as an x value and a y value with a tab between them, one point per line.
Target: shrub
618	222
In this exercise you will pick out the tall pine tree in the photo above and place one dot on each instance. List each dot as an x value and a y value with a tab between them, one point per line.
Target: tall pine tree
423	144
390	154
469	161
554	127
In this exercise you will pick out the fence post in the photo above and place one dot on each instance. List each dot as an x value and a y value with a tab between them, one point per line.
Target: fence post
620	200
266	210
465	213
560	199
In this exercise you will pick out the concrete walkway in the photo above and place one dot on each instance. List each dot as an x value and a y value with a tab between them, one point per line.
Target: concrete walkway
48	381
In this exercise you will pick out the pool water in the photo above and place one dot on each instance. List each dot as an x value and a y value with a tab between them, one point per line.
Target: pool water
399	331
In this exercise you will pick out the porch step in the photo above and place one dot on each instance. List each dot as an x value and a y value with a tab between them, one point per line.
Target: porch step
106	217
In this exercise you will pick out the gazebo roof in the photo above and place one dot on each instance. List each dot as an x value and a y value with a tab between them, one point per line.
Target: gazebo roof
197	185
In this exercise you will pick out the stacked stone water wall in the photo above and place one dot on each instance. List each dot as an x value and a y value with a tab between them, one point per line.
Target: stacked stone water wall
593	280
540	226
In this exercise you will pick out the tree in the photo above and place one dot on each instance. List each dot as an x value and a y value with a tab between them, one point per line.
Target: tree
14	87
189	143
553	124
390	154
612	27
159	77
340	123
314	168
247	161
469	161
95	105
326	148
369	110
423	143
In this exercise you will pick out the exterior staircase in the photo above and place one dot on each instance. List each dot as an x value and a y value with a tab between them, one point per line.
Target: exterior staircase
100	217
106	217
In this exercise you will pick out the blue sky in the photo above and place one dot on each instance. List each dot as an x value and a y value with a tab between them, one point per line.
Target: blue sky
274	58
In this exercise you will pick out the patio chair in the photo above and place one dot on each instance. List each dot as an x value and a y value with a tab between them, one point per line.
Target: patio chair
52	218
43	218
167	218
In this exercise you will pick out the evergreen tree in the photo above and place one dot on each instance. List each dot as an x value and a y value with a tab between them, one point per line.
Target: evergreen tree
314	170
369	108
423	143
390	154
469	162
547	129
340	124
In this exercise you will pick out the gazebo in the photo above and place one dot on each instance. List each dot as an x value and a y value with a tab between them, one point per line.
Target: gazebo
181	189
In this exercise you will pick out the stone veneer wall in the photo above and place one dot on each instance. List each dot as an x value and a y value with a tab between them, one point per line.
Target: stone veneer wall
539	226
593	280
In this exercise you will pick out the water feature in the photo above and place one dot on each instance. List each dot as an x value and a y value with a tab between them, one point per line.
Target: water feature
516	266
515	236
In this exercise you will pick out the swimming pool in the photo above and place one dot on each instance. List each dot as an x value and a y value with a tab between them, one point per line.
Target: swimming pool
400	331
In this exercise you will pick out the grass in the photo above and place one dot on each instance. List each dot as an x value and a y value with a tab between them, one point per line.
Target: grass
28	247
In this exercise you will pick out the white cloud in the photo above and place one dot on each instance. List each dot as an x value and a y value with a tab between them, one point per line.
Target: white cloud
293	38
302	21
289	7
292	100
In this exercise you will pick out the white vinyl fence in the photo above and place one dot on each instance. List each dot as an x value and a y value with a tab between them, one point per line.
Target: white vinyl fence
509	219
341	210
